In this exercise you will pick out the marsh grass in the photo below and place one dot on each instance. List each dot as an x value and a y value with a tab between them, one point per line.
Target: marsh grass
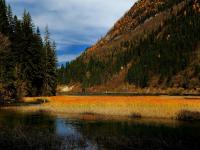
36	101
167	107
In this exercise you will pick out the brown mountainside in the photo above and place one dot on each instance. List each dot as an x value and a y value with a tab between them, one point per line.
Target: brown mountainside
154	45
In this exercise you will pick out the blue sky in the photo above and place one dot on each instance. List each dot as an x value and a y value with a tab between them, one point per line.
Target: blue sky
73	24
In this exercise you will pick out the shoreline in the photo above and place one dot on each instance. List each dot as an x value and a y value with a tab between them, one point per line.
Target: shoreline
124	94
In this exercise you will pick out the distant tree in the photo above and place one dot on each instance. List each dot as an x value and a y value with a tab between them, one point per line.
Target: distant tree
61	75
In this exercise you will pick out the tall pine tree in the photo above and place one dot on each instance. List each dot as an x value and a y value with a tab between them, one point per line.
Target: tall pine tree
27	63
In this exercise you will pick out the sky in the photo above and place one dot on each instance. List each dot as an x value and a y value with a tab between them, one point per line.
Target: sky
73	24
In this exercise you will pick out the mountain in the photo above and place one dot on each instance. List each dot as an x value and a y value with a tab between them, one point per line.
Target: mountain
155	46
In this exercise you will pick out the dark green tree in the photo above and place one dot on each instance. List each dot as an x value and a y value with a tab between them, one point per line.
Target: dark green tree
49	66
4	24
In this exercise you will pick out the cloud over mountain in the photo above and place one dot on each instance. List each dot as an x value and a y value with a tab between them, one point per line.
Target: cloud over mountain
73	22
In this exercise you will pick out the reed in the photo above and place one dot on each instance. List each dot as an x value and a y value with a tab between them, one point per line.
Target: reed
144	106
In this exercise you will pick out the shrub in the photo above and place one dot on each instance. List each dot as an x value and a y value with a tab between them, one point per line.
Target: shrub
186	115
136	115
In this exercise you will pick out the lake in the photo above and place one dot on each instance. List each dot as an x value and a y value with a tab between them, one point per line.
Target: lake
35	131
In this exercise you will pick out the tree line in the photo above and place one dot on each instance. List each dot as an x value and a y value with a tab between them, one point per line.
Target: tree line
27	61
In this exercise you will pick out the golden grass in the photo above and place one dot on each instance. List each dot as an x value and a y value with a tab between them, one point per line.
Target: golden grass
146	106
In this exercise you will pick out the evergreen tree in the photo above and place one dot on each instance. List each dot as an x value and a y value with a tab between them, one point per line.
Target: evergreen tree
36	48
10	20
49	66
26	64
6	85
4	24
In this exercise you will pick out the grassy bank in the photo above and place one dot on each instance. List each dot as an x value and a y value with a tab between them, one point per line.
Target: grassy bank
136	106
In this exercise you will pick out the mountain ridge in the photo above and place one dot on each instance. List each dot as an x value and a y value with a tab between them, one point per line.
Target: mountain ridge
139	51
120	28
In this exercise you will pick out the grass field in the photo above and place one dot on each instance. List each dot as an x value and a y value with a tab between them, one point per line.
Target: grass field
136	106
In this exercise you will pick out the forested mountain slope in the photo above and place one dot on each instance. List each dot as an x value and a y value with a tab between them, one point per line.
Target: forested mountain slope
155	44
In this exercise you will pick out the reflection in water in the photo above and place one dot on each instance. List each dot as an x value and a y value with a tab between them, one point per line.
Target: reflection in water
65	129
68	130
41	131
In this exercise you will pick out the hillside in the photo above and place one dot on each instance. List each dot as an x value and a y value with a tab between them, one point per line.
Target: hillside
155	45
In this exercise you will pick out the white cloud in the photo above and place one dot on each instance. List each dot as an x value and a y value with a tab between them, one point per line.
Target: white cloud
66	57
76	16
74	21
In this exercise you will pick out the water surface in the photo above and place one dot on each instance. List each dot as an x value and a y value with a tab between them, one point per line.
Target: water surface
42	131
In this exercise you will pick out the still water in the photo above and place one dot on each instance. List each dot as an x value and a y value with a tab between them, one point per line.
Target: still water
40	131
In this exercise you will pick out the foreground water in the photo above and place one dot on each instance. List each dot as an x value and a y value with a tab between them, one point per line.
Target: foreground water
38	131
